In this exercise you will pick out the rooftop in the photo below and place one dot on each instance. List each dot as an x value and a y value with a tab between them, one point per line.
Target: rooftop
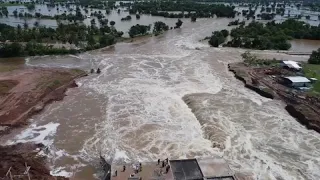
292	64
298	79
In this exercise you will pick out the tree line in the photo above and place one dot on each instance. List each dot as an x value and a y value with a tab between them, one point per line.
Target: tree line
158	28
31	49
272	35
200	10
84	37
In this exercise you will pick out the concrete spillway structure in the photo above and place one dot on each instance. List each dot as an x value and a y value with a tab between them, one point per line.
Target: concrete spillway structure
181	169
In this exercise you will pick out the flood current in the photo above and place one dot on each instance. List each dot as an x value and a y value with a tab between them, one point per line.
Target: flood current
160	97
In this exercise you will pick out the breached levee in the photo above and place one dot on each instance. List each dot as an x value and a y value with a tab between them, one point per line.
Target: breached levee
212	127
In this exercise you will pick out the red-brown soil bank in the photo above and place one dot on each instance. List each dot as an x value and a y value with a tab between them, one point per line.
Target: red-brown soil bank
16	156
25	91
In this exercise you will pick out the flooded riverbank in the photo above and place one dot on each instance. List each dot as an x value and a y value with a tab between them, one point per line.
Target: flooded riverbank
134	111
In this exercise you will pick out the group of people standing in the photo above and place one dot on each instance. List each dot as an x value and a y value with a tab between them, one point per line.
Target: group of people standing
98	71
164	163
138	167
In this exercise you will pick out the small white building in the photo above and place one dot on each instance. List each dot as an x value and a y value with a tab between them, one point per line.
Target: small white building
291	65
297	81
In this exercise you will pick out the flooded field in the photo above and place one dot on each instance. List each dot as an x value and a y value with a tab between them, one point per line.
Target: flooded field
136	110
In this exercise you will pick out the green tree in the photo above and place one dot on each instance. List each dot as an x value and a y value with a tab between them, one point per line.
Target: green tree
225	33
107	40
193	18
15	13
138	30
30	7
36	24
314	57
91	41
25	25
216	39
4	11
159	26
137	16
112	23
11	50
178	24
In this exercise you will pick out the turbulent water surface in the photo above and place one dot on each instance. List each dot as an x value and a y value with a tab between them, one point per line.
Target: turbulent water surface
160	97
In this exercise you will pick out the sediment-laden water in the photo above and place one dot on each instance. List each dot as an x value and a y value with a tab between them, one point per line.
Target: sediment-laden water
160	97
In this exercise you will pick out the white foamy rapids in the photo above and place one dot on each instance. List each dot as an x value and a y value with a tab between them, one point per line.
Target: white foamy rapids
60	172
146	116
259	139
37	134
45	134
66	61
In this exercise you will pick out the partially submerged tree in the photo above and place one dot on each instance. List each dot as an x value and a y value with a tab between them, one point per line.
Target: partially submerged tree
178	24
159	26
216	39
193	18
138	30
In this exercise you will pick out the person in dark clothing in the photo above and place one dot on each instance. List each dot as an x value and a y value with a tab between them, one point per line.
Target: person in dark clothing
162	164
92	71
124	169
158	161
98	71
167	168
116	173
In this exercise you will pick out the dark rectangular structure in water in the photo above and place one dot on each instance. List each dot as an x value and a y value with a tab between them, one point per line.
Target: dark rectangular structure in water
186	169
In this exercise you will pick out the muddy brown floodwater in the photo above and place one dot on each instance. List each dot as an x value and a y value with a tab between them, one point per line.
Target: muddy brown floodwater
135	110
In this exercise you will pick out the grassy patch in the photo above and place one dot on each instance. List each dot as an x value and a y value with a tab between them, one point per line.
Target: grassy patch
6	68
313	71
58	79
54	84
6	86
10	64
77	71
253	60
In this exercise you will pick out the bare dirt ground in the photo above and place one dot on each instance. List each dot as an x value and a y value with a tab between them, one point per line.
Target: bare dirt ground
25	91
301	105
19	157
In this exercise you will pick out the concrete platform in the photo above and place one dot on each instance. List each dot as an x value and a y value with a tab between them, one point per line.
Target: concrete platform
214	167
186	169
181	169
149	170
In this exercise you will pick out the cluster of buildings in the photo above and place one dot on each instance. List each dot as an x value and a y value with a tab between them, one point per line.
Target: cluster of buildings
297	82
